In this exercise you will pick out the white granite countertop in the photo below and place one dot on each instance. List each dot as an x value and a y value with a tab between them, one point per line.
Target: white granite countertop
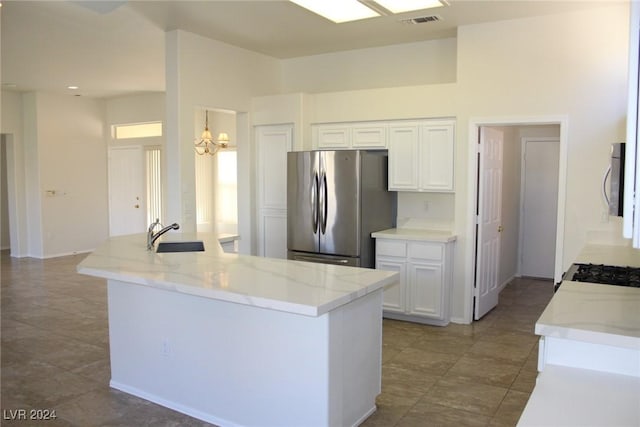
227	237
292	286
566	396
415	234
599	314
624	256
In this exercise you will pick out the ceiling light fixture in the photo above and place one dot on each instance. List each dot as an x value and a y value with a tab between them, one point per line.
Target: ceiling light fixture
206	144
338	10
72	87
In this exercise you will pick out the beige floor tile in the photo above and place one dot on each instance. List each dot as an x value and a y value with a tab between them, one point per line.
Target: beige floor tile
406	382
484	370
510	409
525	381
445	343
428	362
501	352
466	396
426	414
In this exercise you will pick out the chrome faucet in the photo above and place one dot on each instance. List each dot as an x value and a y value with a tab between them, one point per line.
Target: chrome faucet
151	237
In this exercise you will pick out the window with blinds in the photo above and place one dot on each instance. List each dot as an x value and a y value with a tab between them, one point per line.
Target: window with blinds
153	166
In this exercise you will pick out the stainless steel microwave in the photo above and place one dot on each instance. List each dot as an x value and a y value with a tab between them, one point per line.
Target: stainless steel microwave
615	173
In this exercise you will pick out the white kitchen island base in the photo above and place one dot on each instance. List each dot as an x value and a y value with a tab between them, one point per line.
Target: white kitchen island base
233	364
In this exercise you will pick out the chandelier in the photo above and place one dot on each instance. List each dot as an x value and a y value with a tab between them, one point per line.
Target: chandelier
206	144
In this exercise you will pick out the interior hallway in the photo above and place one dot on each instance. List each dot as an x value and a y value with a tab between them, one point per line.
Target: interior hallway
55	355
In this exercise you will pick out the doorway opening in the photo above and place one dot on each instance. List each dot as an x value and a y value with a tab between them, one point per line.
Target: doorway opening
517	222
217	175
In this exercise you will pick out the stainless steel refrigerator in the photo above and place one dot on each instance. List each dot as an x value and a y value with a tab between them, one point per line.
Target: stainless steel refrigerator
335	200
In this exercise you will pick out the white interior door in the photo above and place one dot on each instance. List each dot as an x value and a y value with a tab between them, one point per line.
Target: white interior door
489	221
539	207
272	145
127	208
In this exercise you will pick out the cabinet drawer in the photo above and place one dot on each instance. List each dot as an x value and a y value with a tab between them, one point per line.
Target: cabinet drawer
426	251
391	248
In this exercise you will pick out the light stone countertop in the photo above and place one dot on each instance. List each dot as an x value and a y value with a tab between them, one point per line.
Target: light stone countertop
565	396
292	286
227	237
598	314
415	234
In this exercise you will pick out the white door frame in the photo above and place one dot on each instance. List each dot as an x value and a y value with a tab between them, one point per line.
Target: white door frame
523	143
472	184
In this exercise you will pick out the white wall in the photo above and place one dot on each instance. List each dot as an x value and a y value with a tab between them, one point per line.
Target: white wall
410	64
141	108
573	65
12	128
31	165
206	73
55	143
5	241
72	162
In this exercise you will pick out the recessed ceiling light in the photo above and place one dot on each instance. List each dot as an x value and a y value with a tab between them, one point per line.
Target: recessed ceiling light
338	10
399	6
73	87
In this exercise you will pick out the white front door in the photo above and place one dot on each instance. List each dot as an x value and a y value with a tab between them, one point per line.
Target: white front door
127	209
489	221
539	206
272	145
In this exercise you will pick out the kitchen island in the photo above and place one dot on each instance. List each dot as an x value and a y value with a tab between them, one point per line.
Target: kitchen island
242	340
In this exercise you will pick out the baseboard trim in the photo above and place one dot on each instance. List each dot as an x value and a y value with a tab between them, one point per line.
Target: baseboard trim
187	410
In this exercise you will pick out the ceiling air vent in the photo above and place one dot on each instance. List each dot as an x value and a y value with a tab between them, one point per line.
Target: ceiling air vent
422	19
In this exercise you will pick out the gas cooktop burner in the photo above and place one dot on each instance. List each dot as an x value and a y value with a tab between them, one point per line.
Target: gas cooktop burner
605	274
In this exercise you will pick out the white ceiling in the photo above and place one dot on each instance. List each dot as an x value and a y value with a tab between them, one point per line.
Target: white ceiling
110	48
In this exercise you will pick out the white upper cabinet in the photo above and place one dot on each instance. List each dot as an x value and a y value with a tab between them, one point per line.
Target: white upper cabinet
404	142
331	136
369	135
421	152
436	157
421	156
357	135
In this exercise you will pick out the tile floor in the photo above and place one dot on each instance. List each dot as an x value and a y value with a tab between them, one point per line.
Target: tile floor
55	356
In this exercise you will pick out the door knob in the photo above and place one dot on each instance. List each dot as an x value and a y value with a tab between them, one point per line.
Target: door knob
500	228
136	206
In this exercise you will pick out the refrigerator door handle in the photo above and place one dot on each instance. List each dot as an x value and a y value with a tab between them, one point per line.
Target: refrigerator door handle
323	203
314	203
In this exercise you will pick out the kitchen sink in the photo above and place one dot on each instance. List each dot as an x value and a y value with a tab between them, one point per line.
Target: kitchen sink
195	246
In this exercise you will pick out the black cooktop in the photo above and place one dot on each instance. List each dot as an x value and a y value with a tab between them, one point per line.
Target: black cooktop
605	274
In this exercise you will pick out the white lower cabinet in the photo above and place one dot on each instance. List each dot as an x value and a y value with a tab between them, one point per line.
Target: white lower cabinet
422	292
